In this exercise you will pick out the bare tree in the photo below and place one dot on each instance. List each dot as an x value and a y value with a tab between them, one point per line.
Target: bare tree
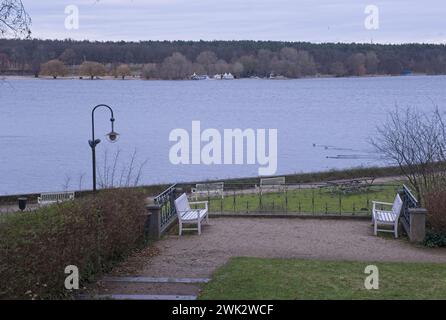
371	62
237	69
415	141
123	70
338	69
176	67
356	64
54	68
14	19
92	69
207	59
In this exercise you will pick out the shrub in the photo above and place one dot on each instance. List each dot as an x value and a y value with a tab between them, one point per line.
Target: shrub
92	233
435	202
435	239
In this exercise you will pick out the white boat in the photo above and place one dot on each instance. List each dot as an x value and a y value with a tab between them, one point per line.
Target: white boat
199	77
228	76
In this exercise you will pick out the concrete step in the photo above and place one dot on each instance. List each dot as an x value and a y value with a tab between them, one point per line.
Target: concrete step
147	288
143	297
141	279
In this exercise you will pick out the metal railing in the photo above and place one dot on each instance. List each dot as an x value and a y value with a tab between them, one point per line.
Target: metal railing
166	201
409	202
315	198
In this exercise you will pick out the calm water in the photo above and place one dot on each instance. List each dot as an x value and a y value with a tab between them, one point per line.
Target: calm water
45	124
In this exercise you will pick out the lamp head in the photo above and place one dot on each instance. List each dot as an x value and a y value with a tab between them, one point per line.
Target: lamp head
113	136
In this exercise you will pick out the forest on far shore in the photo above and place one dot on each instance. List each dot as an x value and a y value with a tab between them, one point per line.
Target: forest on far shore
180	59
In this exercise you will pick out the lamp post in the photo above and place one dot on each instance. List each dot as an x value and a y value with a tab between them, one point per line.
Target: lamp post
112	137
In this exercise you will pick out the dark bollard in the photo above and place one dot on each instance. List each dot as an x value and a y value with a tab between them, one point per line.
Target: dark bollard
22	203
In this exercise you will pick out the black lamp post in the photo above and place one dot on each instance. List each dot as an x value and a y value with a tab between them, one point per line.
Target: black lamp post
112	137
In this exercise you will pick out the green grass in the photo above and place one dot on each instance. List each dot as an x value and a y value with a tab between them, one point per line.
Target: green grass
316	200
290	279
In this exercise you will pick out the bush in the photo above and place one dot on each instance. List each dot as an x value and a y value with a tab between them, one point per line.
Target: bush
435	202
435	239
92	233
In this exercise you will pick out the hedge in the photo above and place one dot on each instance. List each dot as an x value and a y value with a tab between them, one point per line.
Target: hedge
92	233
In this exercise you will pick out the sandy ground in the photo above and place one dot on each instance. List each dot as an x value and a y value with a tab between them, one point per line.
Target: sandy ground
199	256
196	256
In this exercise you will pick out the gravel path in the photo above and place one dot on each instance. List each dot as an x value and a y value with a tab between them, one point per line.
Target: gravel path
198	256
193	256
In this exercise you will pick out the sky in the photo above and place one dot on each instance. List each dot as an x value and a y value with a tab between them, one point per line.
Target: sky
391	21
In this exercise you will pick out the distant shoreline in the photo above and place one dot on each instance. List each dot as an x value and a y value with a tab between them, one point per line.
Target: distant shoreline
30	77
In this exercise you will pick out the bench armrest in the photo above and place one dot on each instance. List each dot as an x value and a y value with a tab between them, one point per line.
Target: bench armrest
381	203
385	203
200	202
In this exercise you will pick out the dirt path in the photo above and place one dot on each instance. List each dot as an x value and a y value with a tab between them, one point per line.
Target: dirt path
194	256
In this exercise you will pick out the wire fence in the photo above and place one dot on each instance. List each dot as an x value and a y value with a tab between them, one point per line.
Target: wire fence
316	199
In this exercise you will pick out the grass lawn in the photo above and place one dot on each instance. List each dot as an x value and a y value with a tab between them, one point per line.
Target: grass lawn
315	200
290	279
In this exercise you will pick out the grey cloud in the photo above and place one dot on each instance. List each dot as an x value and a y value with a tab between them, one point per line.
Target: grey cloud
290	20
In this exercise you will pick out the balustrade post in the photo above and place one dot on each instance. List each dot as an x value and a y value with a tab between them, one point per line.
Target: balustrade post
417	229
152	226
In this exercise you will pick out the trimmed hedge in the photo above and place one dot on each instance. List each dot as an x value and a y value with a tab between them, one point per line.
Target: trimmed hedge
92	233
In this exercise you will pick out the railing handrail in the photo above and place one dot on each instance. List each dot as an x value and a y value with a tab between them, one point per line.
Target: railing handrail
408	192
159	197
409	202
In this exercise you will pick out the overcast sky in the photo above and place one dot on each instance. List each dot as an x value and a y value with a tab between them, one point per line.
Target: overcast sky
290	20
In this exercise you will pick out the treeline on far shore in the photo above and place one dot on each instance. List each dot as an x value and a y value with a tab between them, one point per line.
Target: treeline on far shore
180	59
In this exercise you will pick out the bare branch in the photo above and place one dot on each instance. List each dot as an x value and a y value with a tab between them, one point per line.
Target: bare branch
14	20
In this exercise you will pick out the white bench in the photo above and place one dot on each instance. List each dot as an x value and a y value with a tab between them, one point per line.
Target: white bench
55	197
208	189
186	215
387	218
272	184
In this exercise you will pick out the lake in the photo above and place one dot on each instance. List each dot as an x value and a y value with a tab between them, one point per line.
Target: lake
45	124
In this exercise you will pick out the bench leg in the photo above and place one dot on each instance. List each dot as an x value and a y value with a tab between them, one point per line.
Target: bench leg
375	229
199	227
396	230
180	227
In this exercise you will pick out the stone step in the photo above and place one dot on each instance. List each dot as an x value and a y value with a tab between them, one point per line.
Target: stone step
144	297
162	288
141	279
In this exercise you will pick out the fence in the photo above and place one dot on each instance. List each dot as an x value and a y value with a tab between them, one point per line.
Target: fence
166	203
305	199
409	202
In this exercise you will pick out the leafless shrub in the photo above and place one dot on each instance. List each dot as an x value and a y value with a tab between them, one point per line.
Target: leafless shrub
415	141
66	184
115	174
436	208
81	181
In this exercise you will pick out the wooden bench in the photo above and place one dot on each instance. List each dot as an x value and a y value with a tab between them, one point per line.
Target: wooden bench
186	215
208	189
387	218
55	197
272	184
